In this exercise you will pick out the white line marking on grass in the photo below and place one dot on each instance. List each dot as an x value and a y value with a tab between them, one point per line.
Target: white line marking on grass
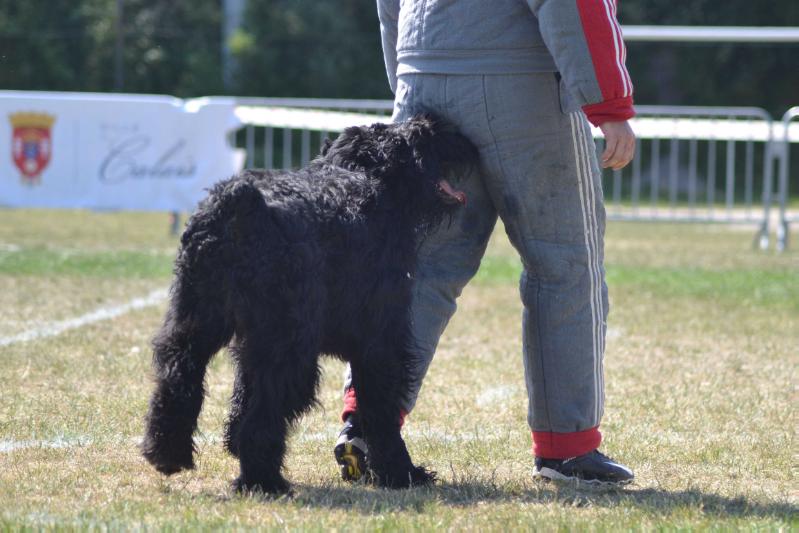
7	446
500	394
103	313
413	434
203	439
613	333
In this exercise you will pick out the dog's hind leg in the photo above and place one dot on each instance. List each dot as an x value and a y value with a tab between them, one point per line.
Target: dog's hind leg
238	404
195	328
278	325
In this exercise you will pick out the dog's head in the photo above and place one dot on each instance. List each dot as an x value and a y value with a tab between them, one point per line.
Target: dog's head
415	159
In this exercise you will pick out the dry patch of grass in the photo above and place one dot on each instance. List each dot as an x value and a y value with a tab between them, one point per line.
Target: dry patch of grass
84	230
701	372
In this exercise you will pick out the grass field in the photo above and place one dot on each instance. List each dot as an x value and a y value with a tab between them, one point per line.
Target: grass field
701	372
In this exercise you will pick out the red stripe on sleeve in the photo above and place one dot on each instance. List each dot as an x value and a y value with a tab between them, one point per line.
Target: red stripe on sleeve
605	44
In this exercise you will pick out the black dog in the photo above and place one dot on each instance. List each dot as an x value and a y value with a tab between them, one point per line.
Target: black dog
293	265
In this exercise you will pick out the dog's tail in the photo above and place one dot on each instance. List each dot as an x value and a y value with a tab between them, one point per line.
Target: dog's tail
228	203
242	212
198	322
238	196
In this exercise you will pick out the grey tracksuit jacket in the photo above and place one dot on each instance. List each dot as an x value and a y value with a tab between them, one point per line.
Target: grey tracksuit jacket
512	75
578	38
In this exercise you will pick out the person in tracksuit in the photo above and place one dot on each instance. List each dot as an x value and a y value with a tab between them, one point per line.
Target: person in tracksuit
519	78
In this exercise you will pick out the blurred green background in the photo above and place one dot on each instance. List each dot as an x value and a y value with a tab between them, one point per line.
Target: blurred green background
331	48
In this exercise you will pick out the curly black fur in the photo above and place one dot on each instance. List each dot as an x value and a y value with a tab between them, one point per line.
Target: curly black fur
291	265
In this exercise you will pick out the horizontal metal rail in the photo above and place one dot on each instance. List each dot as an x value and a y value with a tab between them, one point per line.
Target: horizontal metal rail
338	104
715	34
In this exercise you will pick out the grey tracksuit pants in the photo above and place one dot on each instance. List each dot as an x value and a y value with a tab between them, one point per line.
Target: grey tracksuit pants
539	174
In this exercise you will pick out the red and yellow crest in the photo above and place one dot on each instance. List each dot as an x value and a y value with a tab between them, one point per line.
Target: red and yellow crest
31	144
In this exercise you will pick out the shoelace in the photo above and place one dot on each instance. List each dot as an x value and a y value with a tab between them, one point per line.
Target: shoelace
601	456
604	457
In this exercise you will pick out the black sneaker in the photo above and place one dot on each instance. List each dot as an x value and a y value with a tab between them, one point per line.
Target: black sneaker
594	468
350	450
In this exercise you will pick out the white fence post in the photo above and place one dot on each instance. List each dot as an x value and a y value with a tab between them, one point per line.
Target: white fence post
784	153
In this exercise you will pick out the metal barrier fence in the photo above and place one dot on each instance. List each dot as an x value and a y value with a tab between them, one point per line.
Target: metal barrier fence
693	164
696	164
784	154
377	107
291	130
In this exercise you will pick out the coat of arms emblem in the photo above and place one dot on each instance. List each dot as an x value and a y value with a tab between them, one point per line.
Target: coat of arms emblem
31	144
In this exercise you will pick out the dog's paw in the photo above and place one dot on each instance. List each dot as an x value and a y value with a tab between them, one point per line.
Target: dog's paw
168	460
170	469
420	476
417	476
279	487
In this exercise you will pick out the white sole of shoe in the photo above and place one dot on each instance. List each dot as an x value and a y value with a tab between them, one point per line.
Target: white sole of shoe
549	474
351	456
355	441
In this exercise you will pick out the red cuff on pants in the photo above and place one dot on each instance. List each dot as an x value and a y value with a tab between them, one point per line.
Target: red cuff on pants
550	445
351	406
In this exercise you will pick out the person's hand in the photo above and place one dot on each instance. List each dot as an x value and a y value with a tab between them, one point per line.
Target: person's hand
619	144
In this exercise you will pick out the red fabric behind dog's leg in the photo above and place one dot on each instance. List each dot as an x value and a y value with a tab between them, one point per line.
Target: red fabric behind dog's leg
351	406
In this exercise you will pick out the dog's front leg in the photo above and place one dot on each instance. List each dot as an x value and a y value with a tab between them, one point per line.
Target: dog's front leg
378	379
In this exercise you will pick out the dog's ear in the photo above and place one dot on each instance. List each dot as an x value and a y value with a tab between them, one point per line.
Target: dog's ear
449	145
454	149
326	144
356	148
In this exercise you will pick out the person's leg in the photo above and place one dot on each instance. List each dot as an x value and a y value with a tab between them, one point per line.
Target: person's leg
541	173
450	256
544	179
447	259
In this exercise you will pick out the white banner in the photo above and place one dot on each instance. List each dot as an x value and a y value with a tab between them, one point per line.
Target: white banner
109	151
